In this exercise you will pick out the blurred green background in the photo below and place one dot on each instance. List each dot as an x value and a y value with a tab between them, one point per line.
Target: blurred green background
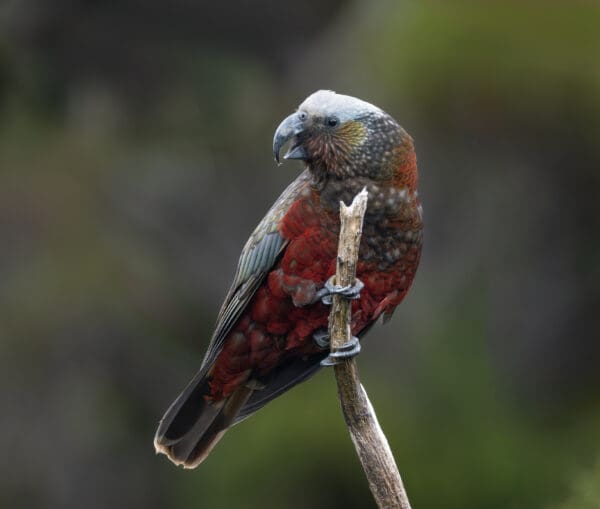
135	158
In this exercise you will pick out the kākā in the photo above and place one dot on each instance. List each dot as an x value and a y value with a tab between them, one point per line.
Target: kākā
271	332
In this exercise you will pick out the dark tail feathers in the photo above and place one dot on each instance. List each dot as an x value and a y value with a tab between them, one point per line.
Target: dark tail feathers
192	426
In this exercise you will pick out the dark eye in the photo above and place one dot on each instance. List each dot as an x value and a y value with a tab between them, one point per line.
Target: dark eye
332	121
302	116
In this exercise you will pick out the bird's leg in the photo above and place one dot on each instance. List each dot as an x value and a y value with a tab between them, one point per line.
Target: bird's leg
346	351
330	289
321	337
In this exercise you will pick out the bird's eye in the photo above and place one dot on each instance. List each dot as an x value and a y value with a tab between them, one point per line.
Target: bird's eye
332	121
302	116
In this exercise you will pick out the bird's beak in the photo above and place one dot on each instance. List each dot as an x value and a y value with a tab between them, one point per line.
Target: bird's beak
291	127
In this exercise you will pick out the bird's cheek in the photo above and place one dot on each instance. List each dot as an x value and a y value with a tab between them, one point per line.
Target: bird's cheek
313	147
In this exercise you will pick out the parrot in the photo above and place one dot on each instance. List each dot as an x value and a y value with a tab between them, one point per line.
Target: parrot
271	331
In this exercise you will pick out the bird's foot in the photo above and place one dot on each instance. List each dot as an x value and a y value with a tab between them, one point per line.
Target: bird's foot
330	289
321	338
346	351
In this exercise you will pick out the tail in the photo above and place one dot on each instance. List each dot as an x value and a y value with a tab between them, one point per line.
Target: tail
192	426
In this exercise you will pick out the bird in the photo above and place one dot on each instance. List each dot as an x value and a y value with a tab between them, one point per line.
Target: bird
271	331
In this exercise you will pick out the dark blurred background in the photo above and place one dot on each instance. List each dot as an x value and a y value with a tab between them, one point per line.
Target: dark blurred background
135	158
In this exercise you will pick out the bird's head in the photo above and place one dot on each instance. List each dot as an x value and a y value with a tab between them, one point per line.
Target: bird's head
342	136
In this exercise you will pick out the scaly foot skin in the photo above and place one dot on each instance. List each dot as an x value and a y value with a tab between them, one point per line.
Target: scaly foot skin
346	351
330	289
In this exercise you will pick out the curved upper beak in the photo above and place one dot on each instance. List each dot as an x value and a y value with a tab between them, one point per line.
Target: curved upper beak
292	126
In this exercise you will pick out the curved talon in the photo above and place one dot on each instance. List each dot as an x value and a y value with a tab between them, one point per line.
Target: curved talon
330	289
321	338
346	351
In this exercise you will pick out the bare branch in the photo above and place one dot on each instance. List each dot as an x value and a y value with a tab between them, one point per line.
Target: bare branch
369	441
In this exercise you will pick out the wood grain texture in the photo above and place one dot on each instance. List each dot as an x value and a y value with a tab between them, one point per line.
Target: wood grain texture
369	441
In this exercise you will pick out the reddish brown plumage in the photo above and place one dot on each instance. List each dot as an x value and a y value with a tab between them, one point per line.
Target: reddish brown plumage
264	342
279	321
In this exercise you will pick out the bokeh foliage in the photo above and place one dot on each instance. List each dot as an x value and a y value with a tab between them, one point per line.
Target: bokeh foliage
134	160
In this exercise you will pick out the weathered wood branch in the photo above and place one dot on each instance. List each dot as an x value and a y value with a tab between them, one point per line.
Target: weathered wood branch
369	441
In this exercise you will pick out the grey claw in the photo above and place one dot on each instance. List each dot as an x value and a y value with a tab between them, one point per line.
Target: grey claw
321	338
346	351
330	289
